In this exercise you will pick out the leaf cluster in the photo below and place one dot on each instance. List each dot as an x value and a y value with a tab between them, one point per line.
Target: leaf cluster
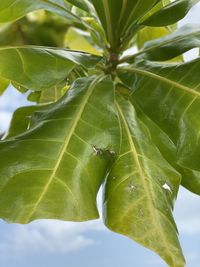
103	116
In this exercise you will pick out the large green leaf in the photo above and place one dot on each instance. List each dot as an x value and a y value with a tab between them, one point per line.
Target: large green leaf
37	68
190	178
55	169
167	47
11	10
173	103
172	45
170	14
141	189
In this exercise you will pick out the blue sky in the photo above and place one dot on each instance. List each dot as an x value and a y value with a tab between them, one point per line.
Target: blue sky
55	243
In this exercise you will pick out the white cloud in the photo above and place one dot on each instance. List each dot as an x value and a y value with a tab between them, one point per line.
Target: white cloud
48	236
51	236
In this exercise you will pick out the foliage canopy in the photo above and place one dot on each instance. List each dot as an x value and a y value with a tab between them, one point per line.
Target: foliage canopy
102	117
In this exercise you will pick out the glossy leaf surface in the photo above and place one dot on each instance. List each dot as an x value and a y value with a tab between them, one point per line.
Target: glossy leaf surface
173	45
38	68
174	91
190	178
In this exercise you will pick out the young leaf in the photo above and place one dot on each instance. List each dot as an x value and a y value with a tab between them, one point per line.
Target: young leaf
118	16
55	169
141	189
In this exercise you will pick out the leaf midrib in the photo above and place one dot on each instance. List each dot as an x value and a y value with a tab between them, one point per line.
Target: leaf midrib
163	79
62	153
176	39
149	49
140	172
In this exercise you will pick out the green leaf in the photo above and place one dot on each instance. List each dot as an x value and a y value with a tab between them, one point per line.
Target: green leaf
173	103
3	85
149	33
74	39
37	68
11	10
21	118
141	189
159	5
38	28
51	95
170	14
167	47
55	169
118	16
135	129
81	4
190	178
172	45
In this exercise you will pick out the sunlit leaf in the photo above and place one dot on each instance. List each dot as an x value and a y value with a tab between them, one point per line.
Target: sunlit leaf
37	68
141	189
55	169
173	103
